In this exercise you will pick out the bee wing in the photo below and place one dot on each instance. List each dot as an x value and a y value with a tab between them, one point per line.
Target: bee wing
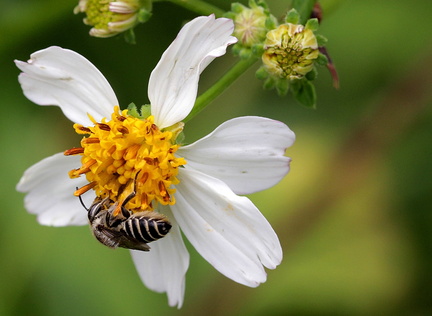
107	236
131	243
113	238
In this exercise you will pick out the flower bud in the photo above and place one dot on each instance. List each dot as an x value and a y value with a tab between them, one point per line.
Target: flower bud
109	18
251	25
290	51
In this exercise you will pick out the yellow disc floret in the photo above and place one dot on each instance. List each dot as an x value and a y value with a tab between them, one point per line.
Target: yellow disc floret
290	51
127	154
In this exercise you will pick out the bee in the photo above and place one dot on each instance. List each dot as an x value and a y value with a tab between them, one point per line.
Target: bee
126	230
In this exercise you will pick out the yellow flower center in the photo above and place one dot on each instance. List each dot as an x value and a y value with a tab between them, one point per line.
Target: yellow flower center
290	51
98	13
126	155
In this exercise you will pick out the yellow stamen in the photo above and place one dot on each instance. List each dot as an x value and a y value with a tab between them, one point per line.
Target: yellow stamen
90	140
85	188
74	151
128	155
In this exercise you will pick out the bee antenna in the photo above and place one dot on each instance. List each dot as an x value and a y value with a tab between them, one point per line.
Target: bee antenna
82	202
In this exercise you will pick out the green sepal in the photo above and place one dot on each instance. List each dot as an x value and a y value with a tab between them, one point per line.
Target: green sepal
180	138
271	22
230	15
133	110
282	86
311	75
292	17
312	24
322	60
322	40
143	113
129	36
237	49
144	15
255	3
145	110
146	5
262	73
245	53
236	8
257	50
269	83
304	92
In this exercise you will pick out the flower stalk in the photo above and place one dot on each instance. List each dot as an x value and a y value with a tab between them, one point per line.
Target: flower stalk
220	86
199	7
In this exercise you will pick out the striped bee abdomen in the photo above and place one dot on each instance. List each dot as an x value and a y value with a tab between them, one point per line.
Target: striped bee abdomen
147	226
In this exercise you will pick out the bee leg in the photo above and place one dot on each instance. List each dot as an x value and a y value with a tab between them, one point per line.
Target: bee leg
118	212
128	198
121	212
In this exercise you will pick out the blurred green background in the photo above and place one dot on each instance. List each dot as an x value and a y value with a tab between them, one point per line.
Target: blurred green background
354	216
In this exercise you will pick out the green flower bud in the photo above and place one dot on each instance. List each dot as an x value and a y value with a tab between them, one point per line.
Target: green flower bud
251	25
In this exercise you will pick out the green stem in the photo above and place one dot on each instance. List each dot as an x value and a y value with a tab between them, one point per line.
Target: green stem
221	85
200	7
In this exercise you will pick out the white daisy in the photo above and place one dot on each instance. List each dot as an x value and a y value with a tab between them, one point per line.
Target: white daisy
195	186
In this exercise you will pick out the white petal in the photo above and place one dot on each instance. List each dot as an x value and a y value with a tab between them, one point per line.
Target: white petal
226	229
57	76
247	153
123	7
173	83
163	268
50	191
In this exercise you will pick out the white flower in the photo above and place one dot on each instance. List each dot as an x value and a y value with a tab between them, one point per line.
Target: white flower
241	156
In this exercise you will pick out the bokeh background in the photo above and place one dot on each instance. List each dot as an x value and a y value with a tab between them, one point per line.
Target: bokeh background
354	215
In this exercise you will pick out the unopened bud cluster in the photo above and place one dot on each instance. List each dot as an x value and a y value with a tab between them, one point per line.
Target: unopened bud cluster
288	51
